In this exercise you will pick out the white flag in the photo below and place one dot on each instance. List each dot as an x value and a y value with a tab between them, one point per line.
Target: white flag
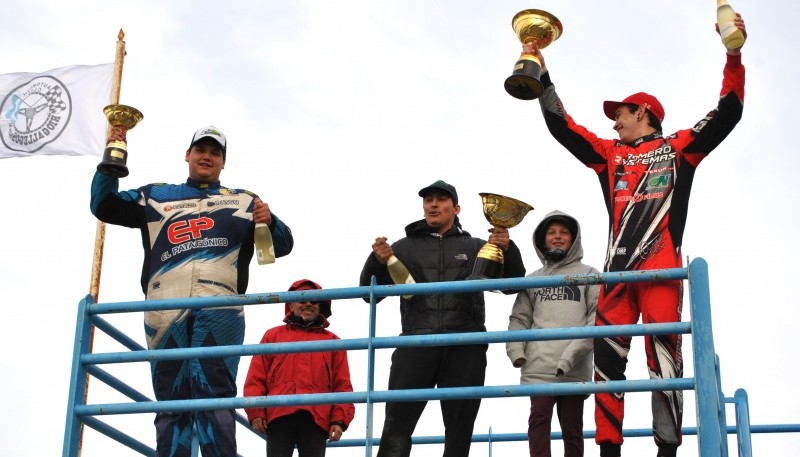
58	112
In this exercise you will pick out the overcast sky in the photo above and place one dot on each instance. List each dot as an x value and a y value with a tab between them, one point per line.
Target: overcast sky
337	113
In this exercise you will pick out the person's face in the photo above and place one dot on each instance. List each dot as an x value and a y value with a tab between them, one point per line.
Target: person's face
627	123
558	236
205	161
440	212
308	311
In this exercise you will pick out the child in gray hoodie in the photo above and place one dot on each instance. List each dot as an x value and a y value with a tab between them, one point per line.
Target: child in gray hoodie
557	241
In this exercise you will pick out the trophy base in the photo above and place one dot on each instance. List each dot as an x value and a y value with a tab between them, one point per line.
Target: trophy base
486	269
524	83
112	169
113	164
488	264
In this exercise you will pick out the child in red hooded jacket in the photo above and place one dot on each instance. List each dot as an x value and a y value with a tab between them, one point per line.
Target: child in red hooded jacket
305	426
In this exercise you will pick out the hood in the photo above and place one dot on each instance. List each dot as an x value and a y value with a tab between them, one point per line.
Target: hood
307	284
575	252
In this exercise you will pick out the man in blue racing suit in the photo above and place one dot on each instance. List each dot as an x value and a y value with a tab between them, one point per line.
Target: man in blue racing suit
198	241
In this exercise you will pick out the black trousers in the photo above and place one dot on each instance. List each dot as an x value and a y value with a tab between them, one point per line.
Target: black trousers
296	429
417	368
570	417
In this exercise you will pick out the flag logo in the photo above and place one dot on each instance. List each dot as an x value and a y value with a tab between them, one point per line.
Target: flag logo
56	112
35	113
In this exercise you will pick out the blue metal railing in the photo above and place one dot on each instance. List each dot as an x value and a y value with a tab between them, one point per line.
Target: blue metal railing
711	429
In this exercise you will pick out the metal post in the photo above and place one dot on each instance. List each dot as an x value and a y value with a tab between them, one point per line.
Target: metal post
78	380
490	441
743	423
373	313
721	414
709	441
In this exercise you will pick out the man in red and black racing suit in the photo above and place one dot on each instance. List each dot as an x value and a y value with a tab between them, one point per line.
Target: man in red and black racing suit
646	179
198	241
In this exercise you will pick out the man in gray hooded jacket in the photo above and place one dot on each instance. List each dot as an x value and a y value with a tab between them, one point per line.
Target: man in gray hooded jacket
557	241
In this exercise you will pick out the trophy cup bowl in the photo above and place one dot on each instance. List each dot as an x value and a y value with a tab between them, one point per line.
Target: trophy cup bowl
115	155
540	28
500	211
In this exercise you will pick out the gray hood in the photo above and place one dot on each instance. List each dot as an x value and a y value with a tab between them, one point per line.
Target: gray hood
575	252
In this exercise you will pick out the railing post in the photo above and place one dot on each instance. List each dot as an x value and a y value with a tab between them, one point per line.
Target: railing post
490	441
709	441
373	314
743	423
721	414
78	380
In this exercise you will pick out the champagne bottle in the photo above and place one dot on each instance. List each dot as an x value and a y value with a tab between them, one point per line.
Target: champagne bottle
732	37
265	251
399	273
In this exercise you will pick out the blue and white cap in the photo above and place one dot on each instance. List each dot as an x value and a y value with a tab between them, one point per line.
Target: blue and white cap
210	132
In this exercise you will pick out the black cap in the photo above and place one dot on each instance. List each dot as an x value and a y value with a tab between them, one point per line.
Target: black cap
442	186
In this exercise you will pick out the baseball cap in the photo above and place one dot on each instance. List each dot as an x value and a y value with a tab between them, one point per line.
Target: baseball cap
649	102
443	186
213	133
307	284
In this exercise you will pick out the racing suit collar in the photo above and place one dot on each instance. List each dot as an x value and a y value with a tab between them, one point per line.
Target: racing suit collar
649	137
202	185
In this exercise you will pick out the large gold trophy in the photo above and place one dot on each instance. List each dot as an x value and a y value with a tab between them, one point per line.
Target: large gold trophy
500	211
115	155
539	28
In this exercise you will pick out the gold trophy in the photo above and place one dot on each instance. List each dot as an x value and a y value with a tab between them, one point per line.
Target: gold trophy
500	211
115	155
539	28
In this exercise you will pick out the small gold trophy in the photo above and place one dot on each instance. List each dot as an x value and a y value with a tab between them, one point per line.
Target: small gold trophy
539	28
115	155
500	211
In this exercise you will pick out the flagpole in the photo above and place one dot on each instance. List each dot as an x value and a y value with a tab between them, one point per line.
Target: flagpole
100	232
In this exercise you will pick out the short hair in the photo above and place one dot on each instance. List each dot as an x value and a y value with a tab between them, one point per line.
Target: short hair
652	120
